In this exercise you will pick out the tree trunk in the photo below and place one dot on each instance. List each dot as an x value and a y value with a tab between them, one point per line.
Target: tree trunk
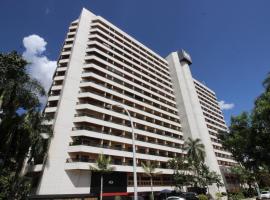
101	186
151	182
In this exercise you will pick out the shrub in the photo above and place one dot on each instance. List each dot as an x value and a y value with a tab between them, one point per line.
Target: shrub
250	192
117	198
236	196
223	194
218	196
202	197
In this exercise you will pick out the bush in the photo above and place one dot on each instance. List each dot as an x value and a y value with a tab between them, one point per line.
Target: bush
202	197
223	194
218	196
117	198
236	196
250	192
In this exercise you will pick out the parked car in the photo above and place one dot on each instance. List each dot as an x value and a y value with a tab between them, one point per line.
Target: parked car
175	198
190	196
264	195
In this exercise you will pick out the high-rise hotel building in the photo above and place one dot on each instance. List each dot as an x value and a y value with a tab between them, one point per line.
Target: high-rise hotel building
99	66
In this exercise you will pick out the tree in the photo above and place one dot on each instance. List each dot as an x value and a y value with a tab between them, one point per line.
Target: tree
244	176
20	124
192	170
239	139
249	133
150	170
207	177
196	156
195	150
182	168
248	139
102	166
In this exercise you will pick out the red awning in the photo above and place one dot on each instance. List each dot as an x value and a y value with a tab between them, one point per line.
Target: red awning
109	194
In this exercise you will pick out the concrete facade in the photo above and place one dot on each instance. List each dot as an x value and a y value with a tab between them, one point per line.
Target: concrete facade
100	65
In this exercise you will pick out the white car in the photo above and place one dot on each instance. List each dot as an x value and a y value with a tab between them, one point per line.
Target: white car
175	198
265	195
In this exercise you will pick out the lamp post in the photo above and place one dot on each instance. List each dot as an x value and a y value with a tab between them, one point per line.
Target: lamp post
133	147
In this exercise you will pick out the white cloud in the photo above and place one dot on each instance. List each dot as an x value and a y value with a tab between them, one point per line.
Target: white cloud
225	106
40	66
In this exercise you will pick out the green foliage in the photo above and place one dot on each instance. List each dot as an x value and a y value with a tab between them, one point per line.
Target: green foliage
13	187
236	196
195	150
193	171
249	192
117	198
219	196
248	140
19	131
249	133
245	176
202	197
207	177
149	168
102	164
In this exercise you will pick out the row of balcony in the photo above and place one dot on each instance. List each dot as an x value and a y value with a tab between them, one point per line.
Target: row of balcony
122	92
107	144
130	45
123	134
118	51
114	161
119	121
91	95
126	79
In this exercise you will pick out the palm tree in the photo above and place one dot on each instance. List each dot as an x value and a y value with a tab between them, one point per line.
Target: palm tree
102	166
20	118
150	170
195	150
18	90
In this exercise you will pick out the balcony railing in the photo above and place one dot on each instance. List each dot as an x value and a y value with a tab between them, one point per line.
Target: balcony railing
123	136
99	145
139	127
113	162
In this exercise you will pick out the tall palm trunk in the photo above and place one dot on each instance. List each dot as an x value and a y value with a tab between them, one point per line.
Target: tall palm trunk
101	186
2	98
151	183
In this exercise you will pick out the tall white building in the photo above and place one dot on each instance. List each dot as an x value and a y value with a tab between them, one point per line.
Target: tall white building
100	65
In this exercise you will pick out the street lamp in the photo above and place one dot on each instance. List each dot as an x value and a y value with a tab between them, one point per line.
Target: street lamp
133	147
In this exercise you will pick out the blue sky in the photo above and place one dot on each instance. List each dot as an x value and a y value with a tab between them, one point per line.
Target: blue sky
229	41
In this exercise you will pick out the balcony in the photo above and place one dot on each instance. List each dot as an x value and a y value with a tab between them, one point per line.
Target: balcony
53	97
58	78
50	109
89	143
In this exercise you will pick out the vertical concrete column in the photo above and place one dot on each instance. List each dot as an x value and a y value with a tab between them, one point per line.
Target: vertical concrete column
189	107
